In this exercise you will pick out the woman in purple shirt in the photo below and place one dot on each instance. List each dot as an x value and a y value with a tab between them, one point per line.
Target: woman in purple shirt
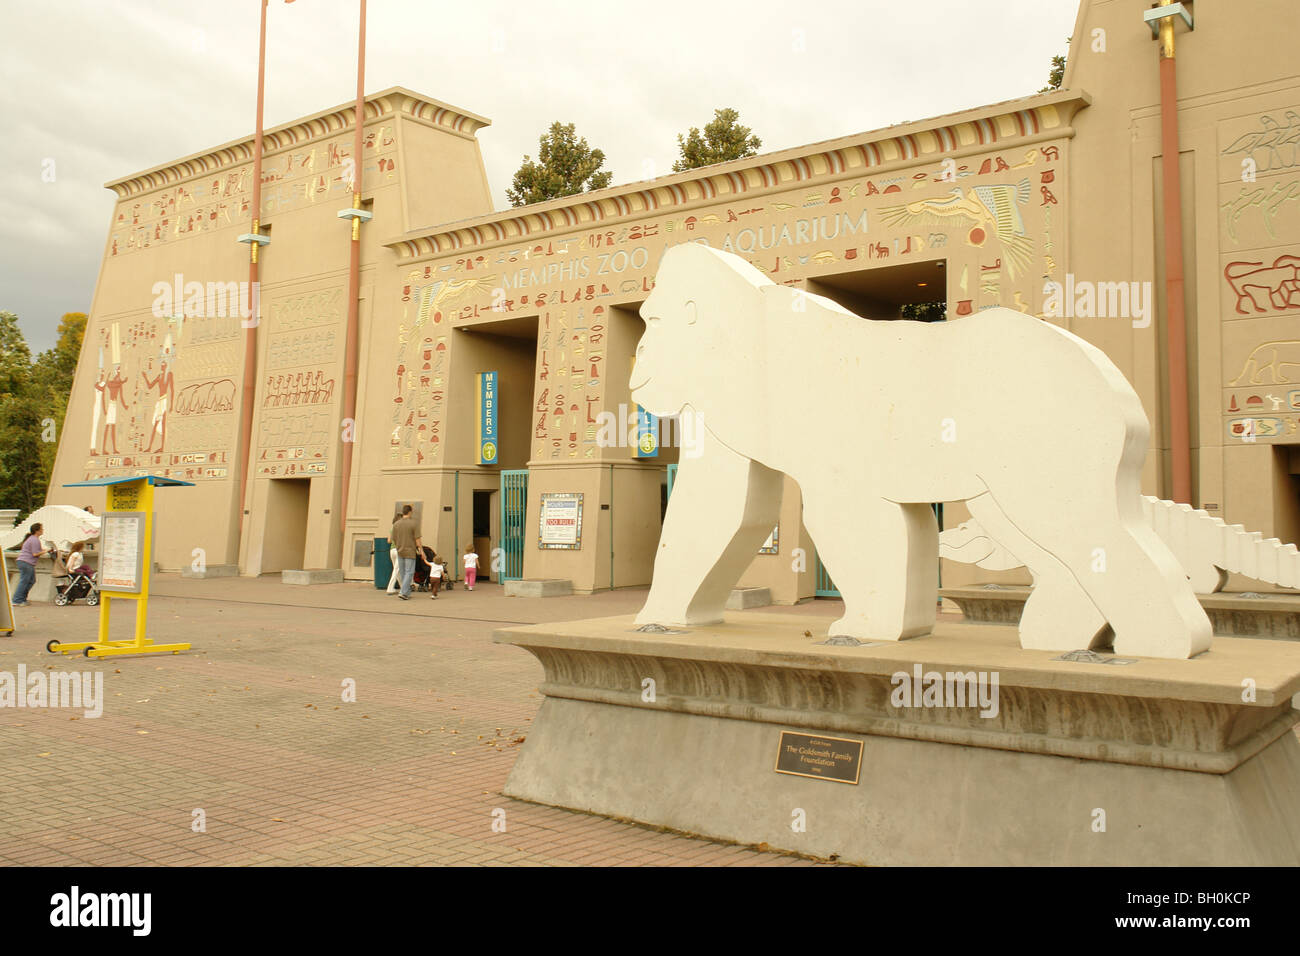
27	564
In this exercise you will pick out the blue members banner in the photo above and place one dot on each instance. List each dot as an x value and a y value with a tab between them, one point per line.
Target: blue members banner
487	418
647	434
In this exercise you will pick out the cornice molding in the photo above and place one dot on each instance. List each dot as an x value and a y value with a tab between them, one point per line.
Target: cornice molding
1022	120
391	102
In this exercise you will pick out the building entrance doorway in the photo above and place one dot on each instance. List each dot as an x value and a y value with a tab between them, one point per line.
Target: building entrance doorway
486	530
916	291
285	538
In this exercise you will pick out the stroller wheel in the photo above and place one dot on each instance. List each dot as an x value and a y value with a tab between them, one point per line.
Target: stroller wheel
50	646
62	599
92	599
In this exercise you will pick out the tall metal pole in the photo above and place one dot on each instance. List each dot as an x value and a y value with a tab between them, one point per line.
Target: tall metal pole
254	303
1180	441
354	286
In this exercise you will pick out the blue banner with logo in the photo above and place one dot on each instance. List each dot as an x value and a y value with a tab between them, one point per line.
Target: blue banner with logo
647	434
488	410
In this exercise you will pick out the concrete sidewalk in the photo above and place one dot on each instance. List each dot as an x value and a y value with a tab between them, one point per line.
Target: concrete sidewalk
243	752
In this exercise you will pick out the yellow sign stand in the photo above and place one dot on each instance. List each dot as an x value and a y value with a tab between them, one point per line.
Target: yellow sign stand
6	605
125	563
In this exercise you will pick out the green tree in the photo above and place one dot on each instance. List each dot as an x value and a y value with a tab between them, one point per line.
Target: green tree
722	140
51	383
924	311
15	356
565	166
33	405
1056	76
20	452
23	478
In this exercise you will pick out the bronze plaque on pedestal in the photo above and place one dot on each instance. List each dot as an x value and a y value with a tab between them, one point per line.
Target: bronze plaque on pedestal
824	758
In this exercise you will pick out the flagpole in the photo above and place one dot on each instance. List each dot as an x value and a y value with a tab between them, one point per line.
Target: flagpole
251	320
357	215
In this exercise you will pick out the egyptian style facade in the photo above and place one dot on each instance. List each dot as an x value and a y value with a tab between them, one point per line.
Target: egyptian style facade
1049	204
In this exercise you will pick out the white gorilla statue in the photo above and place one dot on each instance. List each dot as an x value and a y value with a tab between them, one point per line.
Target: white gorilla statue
1035	429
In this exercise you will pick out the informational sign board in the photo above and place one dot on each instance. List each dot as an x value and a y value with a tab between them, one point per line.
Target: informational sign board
488	412
126	538
561	521
121	551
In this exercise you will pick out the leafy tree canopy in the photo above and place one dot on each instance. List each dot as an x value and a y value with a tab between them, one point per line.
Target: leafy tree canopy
33	404
565	166
1056	76
723	139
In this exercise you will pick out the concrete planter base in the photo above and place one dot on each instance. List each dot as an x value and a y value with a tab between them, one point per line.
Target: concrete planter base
212	571
1184	772
539	588
742	598
314	576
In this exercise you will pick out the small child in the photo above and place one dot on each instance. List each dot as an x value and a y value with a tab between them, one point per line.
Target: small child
75	558
435	575
471	568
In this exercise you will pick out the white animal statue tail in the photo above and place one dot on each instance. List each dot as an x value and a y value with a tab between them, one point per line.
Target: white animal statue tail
63	524
1207	548
1035	429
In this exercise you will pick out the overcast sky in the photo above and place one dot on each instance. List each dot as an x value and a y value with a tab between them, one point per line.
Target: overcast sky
106	88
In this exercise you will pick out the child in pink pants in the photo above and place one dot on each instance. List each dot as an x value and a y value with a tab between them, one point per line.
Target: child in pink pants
471	568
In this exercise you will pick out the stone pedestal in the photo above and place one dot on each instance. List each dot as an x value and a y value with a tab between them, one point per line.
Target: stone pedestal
682	730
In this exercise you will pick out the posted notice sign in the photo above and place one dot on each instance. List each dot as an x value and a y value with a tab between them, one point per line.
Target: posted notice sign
488	410
121	551
561	521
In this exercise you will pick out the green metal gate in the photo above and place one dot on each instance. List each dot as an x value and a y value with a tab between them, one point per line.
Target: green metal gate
825	587
514	507
672	476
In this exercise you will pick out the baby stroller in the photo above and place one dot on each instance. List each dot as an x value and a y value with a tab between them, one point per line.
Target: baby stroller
421	578
81	583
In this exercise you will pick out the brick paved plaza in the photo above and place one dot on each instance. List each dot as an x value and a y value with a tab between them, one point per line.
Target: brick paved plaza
250	727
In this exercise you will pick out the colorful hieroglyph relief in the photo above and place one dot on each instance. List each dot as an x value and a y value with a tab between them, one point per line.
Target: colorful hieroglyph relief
991	216
571	370
163	400
419	382
1259	302
290	180
298	392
